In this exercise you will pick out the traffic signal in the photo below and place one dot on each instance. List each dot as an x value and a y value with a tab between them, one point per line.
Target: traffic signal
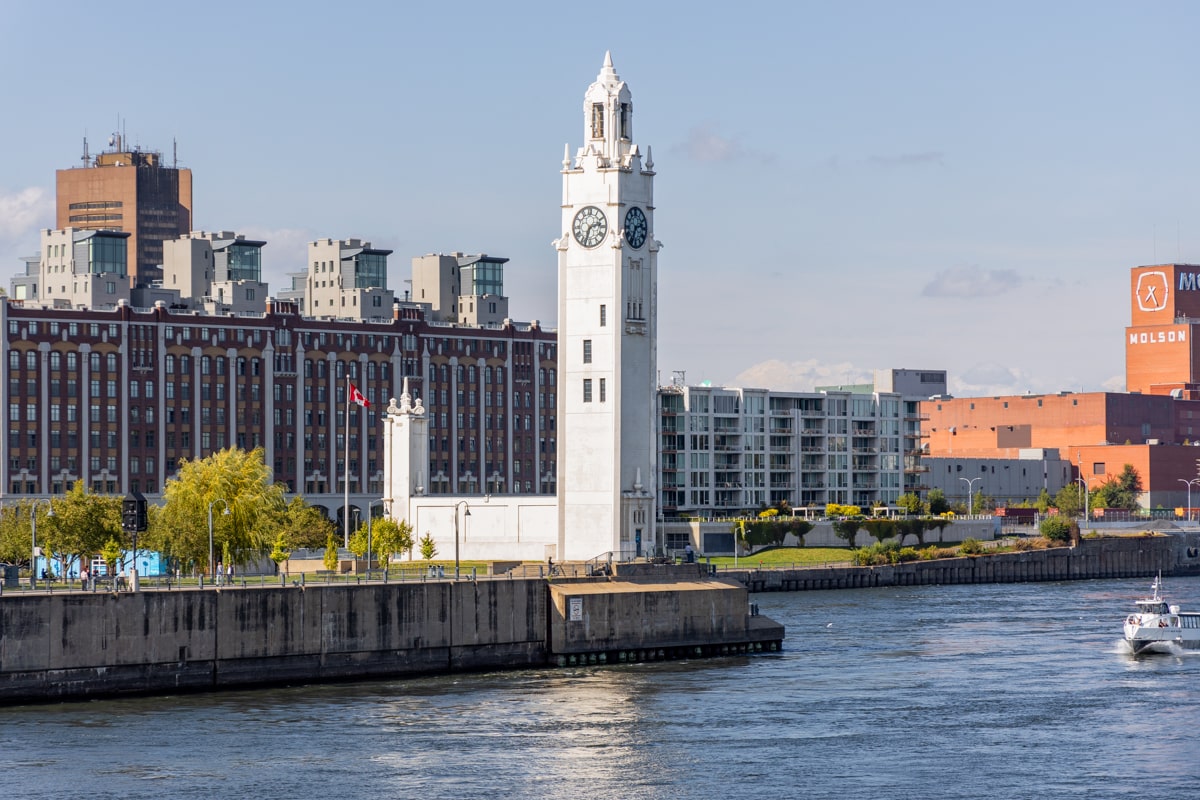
133	513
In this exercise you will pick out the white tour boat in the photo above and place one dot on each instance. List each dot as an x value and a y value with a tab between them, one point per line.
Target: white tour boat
1161	628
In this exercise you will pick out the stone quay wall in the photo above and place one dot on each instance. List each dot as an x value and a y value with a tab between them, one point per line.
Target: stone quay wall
1121	557
77	645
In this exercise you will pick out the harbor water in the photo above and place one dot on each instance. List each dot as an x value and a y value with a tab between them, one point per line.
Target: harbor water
997	691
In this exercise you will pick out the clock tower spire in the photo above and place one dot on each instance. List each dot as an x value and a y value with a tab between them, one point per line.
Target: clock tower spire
607	335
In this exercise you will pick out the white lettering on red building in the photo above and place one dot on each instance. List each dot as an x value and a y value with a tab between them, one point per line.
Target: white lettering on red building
1154	337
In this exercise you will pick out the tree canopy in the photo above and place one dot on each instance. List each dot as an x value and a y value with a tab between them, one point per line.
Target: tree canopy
235	479
82	524
1119	491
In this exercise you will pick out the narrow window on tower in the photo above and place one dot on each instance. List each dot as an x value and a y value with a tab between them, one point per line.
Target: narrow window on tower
603	395
587	351
603	315
597	120
587	390
624	120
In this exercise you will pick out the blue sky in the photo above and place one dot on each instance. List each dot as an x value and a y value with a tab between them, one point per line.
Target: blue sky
841	186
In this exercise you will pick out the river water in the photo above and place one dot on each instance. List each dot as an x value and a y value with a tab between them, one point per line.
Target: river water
1006	691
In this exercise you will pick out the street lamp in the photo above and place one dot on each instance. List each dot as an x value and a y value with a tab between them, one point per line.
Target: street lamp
970	493
466	514
212	565
370	519
33	545
1086	499
1189	495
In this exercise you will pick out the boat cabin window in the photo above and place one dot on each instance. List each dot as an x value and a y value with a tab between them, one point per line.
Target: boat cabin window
1153	608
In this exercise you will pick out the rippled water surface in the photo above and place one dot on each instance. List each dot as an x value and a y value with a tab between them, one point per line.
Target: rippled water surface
1014	691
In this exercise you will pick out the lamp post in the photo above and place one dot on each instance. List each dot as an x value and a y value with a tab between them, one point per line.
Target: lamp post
212	565
33	545
370	519
1086	499
1189	495
466	514
970	493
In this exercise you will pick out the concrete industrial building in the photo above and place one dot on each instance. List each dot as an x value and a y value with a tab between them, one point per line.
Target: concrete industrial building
128	189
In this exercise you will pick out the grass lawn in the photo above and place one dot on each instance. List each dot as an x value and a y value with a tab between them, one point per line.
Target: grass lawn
787	556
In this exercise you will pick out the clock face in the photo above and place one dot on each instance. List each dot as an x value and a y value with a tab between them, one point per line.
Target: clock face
635	227
590	226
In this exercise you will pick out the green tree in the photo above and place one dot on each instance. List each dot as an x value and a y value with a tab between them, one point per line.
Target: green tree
15	544
937	502
281	552
82	523
358	541
912	503
240	479
305	526
1069	500
428	547
983	504
331	551
111	553
1120	491
847	529
1043	501
391	537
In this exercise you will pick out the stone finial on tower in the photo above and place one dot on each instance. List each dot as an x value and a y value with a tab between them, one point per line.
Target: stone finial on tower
405	398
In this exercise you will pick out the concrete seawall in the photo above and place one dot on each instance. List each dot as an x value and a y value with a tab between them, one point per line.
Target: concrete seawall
64	645
1124	557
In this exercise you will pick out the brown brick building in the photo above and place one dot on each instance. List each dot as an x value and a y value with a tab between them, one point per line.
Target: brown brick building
128	190
117	398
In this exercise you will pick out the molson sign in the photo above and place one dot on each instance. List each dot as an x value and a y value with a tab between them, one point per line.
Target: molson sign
1171	335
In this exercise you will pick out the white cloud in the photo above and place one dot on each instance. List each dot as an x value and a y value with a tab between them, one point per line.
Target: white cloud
972	281
705	145
22	213
800	376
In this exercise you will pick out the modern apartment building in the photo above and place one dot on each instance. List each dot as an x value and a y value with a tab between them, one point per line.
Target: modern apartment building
467	289
83	269
219	273
130	190
726	450
347	279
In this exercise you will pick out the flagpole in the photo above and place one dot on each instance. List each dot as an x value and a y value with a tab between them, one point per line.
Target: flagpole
346	466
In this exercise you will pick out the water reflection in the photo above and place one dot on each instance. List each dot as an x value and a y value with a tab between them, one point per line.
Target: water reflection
949	692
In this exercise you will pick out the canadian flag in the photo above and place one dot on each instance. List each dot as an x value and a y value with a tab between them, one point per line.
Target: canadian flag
358	397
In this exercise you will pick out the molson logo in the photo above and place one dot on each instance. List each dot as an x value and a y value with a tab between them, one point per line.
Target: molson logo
1187	281
1152	290
1155	337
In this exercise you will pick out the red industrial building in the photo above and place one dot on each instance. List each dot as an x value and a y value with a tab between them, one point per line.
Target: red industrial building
1154	426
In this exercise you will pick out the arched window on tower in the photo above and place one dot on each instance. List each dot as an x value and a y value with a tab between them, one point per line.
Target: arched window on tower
597	120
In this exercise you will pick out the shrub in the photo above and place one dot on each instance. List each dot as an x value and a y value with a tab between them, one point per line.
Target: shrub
908	554
1056	529
971	547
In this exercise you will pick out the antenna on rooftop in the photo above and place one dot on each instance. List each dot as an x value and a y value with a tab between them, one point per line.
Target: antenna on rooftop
174	153
85	158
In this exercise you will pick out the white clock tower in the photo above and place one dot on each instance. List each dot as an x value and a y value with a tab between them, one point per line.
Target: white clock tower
608	324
